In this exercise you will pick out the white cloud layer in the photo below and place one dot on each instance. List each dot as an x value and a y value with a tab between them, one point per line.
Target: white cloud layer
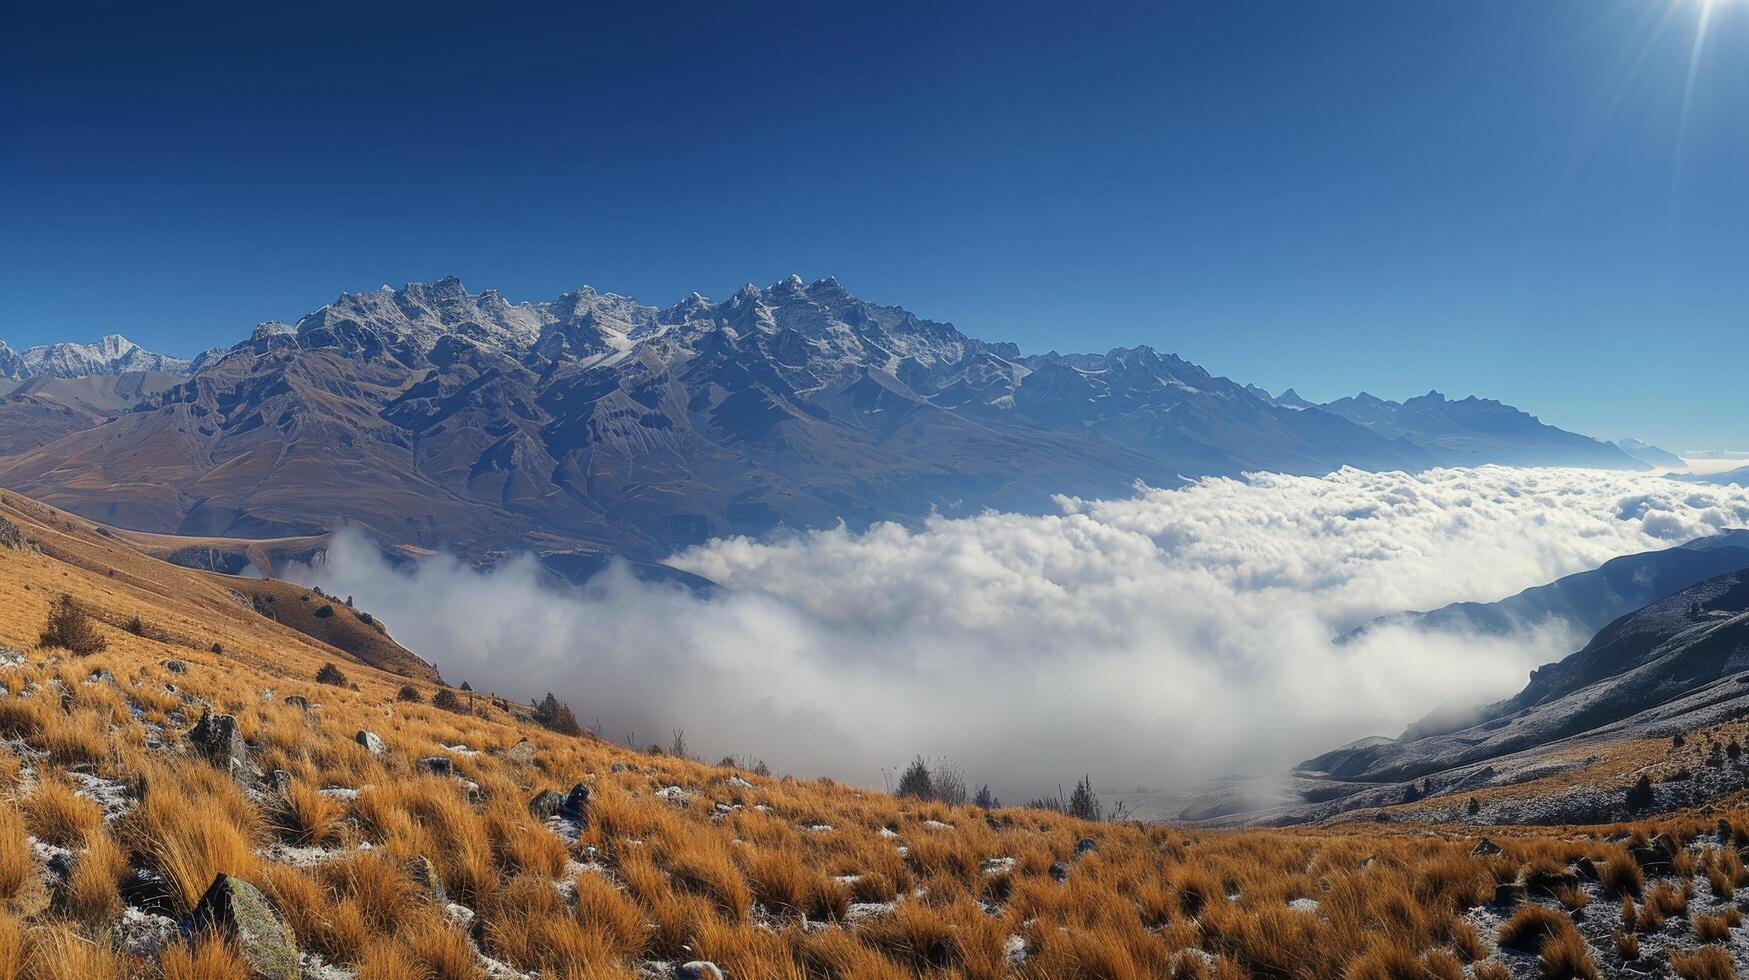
1151	641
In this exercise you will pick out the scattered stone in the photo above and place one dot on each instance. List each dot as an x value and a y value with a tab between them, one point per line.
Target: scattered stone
143	934
101	675
618	767
1059	871
298	701
61	865
698	970
470	789
424	875
576	805
545	804
237	909
738	781
522	753
1485	848
175	666
998	866
371	741
438	764
673	794
218	738
280	780
1086	845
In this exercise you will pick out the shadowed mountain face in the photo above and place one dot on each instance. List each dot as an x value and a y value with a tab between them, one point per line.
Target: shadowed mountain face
437	417
1473	431
1585	602
1676	655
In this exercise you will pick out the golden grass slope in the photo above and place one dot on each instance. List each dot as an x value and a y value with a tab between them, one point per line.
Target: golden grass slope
680	861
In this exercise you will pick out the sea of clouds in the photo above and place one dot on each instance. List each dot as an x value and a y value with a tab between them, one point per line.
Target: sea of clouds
1151	641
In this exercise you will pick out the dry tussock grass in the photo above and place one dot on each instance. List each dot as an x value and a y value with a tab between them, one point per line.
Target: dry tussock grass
784	878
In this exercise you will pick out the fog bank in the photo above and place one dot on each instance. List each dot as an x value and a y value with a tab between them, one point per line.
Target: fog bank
1150	641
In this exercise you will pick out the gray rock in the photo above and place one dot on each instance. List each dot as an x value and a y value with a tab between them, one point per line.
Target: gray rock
371	741
218	738
618	767
237	909
522	753
698	970
1059	871
576	805
1485	848
61	865
298	701
424	875
438	764
545	804
175	666
1086	845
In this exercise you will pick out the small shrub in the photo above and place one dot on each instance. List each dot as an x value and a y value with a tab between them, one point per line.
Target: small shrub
409	693
916	781
446	699
72	629
330	674
1640	795
324	611
555	715
1083	803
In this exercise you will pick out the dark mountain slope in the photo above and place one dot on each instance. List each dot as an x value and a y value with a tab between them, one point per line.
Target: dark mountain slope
1588	601
1670	649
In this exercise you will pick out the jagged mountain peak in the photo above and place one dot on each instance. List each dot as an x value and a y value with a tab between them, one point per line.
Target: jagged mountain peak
109	354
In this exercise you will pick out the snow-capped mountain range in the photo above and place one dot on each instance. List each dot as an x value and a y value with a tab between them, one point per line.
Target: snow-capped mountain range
434	416
114	354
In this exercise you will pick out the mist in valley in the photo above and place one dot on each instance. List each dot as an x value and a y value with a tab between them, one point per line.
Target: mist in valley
1152	641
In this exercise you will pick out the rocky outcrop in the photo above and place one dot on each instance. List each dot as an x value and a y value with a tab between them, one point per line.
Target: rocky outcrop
236	909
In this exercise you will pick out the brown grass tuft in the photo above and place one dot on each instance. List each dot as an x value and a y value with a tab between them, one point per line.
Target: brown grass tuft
1706	963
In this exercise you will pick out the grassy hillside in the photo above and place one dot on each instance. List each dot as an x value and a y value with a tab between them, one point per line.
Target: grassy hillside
437	857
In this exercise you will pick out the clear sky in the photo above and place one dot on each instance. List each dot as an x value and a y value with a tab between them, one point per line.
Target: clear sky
1505	197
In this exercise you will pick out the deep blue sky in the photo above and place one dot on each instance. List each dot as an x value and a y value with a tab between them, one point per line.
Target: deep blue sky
1487	195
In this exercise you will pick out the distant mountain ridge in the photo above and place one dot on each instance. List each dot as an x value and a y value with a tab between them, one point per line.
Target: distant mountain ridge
1587	601
1473	430
112	354
593	423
